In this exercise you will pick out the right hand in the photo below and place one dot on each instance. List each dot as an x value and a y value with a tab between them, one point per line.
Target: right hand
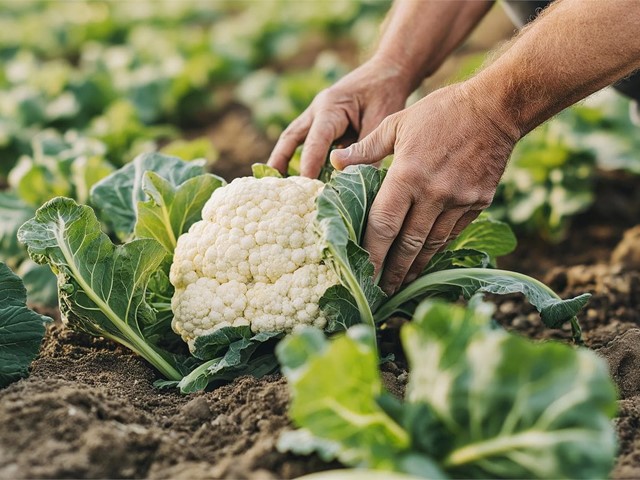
346	112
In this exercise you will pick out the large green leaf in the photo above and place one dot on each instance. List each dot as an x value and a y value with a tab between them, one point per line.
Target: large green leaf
469	281
358	474
116	197
171	210
21	330
334	388
480	402
101	286
343	207
510	407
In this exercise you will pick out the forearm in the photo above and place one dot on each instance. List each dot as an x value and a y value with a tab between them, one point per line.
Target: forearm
418	35
574	49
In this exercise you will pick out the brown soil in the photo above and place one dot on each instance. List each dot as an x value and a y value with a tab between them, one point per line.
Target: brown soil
89	409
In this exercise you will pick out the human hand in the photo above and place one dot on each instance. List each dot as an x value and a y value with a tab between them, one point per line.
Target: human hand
345	112
451	149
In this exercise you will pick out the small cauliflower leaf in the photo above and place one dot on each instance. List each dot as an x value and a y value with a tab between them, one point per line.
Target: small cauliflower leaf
101	286
260	170
486	235
171	210
459	258
21	329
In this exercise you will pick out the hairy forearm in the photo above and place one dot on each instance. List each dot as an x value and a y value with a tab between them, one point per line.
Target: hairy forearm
573	49
418	35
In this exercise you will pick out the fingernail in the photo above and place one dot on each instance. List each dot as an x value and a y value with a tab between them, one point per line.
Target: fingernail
388	289
340	154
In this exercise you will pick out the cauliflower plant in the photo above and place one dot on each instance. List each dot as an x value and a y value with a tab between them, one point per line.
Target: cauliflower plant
254	259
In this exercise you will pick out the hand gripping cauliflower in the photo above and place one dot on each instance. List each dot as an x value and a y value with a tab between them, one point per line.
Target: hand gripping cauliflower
255	259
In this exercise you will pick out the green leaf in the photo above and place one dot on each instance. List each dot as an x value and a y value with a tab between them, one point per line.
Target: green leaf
349	196
469	281
116	197
230	352
171	210
486	235
480	402
360	474
101	286
334	388
260	170
216	343
343	207
21	330
462	258
511	408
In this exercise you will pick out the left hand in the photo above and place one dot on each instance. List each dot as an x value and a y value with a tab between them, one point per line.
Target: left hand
451	149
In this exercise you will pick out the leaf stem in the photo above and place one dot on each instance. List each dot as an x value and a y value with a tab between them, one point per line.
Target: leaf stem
444	277
140	347
366	315
475	452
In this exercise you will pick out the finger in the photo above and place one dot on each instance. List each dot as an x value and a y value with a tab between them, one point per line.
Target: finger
439	235
371	149
409	244
289	140
386	217
326	127
463	223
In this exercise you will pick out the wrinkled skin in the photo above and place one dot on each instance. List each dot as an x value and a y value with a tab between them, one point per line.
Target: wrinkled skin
431	192
438	183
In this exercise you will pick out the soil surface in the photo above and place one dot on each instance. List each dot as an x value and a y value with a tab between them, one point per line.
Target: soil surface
89	409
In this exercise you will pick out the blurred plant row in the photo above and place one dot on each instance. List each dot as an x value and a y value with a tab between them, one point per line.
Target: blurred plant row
87	86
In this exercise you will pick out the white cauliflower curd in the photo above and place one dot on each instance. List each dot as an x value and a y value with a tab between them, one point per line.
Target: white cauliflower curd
254	259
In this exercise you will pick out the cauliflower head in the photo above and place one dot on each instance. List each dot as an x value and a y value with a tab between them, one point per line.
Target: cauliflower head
254	259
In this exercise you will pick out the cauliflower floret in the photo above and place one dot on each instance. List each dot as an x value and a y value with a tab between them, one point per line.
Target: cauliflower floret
254	259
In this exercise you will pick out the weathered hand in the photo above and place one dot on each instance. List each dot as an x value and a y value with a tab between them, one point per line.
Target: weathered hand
345	112
451	149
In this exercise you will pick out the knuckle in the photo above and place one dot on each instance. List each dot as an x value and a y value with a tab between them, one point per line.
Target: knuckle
292	131
484	201
442	194
388	123
382	225
409	245
323	94
434	244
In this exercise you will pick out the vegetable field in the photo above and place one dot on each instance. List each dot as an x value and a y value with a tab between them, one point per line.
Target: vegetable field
171	307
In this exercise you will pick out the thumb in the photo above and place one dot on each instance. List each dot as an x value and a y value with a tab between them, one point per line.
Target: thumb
371	149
